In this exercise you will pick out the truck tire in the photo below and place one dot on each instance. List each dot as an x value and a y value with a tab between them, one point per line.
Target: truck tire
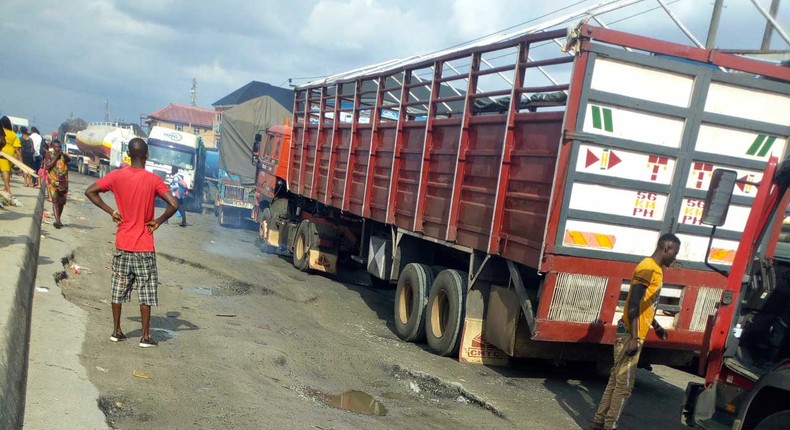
265	216
305	240
411	296
777	421
444	317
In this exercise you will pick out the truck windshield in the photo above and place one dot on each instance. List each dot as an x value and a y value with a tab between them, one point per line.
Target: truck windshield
159	153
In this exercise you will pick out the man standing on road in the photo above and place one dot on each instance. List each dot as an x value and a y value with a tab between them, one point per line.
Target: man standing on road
134	260
178	188
638	316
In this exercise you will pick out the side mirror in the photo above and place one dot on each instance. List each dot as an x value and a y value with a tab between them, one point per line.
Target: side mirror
256	148
719	196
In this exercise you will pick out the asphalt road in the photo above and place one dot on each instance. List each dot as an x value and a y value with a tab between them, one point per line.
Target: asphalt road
248	342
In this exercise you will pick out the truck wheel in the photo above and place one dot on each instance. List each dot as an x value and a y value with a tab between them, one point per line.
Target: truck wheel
410	299
263	230
445	312
306	239
777	421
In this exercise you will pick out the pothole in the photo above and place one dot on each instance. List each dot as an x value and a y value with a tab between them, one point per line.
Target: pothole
421	381
117	408
354	401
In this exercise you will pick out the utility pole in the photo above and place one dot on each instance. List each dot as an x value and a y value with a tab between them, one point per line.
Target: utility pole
710	42
193	91
106	110
769	29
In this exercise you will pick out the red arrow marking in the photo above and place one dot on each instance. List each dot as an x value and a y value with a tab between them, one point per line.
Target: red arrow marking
591	159
613	159
742	185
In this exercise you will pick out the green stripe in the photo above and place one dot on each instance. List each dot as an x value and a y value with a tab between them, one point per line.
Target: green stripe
756	144
596	113
767	146
607	119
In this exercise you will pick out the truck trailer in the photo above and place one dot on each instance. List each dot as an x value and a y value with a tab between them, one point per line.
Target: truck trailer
510	211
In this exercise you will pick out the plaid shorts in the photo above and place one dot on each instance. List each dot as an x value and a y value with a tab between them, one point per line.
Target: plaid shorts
132	270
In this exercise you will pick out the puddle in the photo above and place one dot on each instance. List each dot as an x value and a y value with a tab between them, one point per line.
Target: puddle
204	291
357	402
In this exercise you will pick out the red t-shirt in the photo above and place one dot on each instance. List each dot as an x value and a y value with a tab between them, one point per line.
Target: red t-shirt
134	190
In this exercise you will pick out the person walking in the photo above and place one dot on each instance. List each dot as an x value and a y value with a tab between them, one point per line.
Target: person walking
638	317
57	167
178	188
134	260
38	156
28	154
13	148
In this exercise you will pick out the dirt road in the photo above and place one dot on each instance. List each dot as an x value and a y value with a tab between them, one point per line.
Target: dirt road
248	342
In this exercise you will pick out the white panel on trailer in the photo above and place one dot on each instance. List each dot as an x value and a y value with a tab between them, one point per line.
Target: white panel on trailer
701	172
691	214
633	125
618	163
748	103
593	236
619	201
642	82
693	248
739	143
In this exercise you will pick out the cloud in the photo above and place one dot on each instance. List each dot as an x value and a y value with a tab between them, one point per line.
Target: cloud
69	56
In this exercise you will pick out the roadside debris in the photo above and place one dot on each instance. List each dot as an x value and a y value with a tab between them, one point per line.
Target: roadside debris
226	315
42	289
141	374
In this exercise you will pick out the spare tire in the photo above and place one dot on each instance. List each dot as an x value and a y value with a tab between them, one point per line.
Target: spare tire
444	318
410	299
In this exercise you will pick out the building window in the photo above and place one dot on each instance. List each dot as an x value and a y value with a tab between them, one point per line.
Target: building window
196	131
217	129
179	127
219	116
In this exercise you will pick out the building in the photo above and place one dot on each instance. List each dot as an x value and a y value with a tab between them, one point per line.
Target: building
254	89
191	119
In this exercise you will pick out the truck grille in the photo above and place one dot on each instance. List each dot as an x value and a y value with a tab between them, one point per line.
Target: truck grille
577	298
705	306
235	192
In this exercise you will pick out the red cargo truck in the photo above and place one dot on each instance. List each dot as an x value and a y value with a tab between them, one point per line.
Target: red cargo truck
511	211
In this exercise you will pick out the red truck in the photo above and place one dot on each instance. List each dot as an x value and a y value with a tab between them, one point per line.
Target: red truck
511	209
746	356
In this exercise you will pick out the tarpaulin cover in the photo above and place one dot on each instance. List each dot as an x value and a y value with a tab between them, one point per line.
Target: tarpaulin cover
239	125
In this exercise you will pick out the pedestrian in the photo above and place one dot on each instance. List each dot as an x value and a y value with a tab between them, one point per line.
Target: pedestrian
638	317
57	167
179	190
35	136
13	148
28	154
134	260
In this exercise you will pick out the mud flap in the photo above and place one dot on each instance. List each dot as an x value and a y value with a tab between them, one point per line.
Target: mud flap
322	261
273	238
475	349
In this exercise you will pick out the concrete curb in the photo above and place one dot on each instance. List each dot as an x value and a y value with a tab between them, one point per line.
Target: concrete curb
20	259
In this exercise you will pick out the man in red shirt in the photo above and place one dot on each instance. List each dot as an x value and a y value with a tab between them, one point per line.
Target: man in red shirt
134	260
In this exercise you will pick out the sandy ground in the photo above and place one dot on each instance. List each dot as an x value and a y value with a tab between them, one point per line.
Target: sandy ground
248	342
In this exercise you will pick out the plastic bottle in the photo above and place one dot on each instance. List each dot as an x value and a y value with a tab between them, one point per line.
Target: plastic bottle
737	330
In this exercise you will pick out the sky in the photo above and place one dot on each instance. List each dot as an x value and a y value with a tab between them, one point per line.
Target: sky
65	58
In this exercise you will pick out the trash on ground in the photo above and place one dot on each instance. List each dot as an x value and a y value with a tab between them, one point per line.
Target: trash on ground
42	289
226	315
82	218
141	374
414	387
47	214
101	369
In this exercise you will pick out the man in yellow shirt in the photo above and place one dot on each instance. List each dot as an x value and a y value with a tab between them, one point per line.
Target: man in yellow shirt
638	317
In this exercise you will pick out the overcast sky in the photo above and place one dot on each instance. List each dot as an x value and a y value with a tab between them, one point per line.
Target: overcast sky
64	58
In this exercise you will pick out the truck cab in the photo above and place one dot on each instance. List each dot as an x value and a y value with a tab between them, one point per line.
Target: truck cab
746	358
169	148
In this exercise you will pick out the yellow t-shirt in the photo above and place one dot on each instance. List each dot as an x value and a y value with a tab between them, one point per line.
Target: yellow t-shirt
11	143
648	273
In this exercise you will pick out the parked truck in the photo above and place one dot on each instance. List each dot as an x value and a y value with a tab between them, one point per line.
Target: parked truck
511	217
101	147
746	357
168	148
